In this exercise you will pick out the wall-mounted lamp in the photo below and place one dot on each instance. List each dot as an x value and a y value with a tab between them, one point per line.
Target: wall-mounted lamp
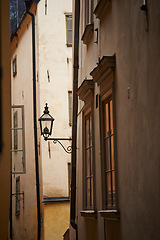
46	125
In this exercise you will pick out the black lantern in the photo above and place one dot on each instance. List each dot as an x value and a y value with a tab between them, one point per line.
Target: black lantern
46	123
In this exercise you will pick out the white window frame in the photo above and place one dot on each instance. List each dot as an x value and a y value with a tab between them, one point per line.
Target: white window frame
13	149
68	16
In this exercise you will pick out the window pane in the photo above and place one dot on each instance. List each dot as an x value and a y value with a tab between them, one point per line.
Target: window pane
17	139
70	107
113	188
91	159
86	11
17	113
17	196
69	23
112	152
88	192
69	37
17	161
90	125
109	189
90	11
111	117
107	154
87	132
106	120
88	162
69	30
92	192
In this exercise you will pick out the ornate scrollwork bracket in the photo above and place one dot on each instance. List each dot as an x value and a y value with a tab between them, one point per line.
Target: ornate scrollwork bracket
67	149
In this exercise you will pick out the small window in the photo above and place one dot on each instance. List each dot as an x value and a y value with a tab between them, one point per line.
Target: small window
108	160
70	107
17	196
46	7
14	63
18	140
69	30
88	26
88	163
88	12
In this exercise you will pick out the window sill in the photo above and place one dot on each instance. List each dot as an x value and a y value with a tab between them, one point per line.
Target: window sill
101	8
55	200
87	33
89	214
110	214
69	45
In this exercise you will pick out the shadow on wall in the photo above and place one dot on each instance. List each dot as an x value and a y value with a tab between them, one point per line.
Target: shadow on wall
91	229
113	230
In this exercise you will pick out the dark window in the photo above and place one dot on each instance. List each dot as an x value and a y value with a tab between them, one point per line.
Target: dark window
14	63
88	12
17	196
88	163
108	141
69	30
45	7
70	107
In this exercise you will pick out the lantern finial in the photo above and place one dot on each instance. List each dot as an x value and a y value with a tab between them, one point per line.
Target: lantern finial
46	111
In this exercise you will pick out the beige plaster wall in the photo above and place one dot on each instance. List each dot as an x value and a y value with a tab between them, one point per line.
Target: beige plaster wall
122	31
25	225
55	58
53	54
6	99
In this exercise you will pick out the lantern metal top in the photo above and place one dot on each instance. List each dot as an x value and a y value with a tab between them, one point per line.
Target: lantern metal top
46	111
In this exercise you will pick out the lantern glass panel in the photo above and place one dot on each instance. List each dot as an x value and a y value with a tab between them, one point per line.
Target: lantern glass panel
46	122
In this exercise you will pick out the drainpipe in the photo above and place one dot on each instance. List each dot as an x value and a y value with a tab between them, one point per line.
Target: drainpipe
35	122
74	117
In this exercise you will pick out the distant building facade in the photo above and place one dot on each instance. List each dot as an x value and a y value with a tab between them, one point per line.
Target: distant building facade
117	170
54	21
53	40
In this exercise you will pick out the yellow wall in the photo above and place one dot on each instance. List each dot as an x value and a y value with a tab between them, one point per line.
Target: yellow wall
5	96
56	220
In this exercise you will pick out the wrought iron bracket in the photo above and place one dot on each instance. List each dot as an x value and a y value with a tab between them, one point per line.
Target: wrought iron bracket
21	198
67	149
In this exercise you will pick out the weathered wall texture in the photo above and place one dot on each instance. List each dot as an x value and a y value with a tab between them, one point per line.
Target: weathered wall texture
25	224
56	220
5	96
56	58
122	32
